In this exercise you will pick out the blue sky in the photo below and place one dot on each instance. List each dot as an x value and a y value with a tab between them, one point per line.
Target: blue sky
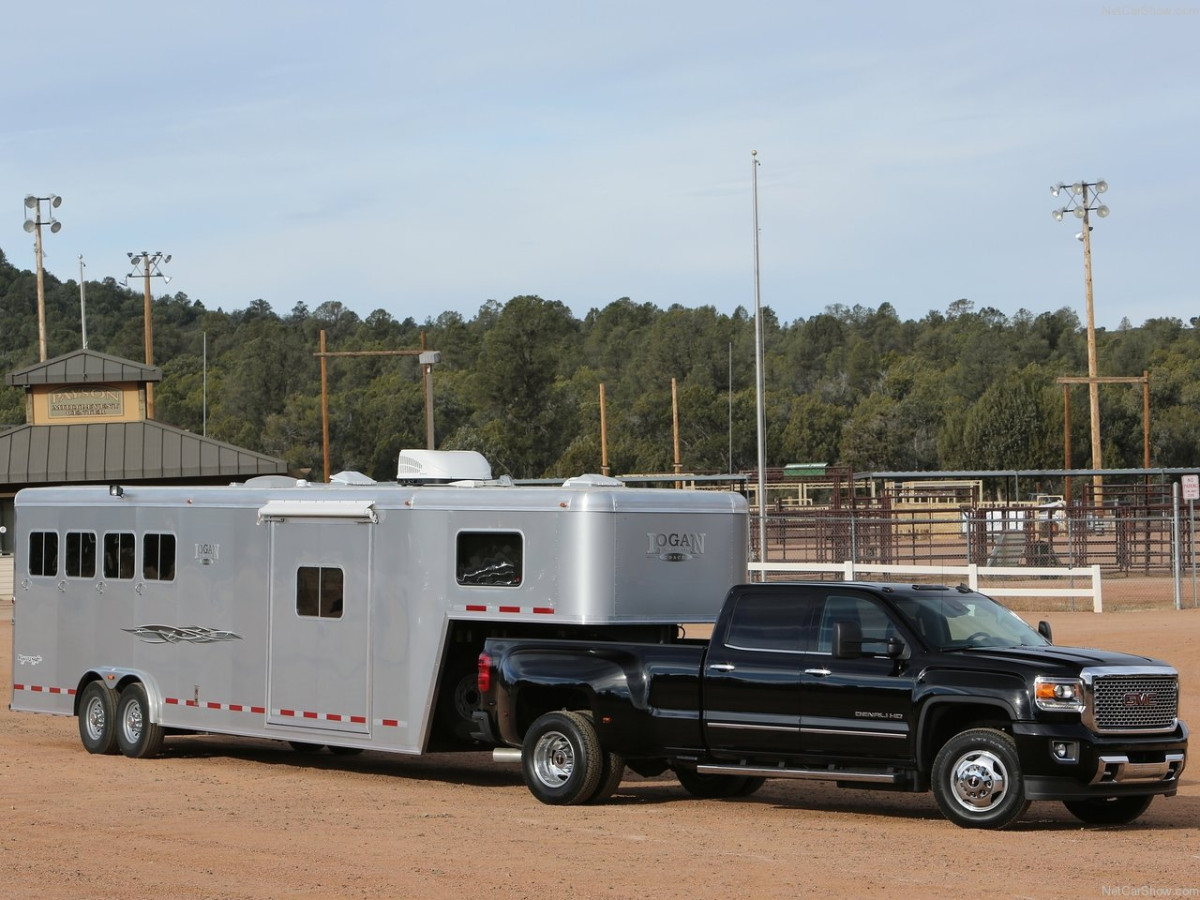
425	157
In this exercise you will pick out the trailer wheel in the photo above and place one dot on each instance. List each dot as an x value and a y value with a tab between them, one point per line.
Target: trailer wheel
1108	810
302	747
977	780
561	758
715	786
137	736
97	719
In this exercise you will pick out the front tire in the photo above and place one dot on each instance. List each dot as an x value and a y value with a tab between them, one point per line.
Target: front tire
97	719
561	758
1108	810
977	780
137	736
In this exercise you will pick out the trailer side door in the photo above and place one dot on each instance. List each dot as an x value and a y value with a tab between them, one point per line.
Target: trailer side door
319	654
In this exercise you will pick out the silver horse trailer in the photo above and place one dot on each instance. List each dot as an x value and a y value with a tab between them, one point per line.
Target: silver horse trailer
347	615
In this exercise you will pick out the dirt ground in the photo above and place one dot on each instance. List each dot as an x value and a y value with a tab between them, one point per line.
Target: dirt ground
235	818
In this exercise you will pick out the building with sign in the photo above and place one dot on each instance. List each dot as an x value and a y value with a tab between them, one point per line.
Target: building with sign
86	422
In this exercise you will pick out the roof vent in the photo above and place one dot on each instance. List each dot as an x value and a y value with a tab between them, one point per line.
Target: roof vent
441	466
351	477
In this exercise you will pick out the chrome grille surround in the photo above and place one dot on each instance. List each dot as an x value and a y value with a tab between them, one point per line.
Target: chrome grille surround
1131	699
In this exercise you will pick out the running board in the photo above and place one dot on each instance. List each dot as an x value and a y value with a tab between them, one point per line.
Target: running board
807	774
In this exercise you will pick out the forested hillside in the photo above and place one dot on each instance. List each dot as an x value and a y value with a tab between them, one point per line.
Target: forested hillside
519	381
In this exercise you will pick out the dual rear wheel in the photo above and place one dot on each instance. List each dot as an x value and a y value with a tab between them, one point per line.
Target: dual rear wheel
110	721
563	763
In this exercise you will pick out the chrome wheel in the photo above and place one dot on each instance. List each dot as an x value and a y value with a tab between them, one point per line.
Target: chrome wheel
553	759
979	780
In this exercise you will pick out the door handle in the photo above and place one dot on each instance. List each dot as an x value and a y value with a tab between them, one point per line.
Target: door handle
722	667
820	673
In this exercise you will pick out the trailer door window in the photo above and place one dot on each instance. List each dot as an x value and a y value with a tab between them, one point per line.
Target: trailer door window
490	558
118	555
43	553
319	592
81	554
158	557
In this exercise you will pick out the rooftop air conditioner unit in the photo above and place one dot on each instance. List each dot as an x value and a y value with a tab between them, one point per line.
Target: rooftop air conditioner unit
442	466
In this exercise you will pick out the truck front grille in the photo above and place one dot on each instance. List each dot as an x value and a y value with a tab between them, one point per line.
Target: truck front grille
1135	702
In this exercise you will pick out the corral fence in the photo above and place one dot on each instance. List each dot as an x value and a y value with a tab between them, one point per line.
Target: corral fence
998	541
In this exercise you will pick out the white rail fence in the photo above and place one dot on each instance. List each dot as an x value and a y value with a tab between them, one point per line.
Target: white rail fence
973	575
6	579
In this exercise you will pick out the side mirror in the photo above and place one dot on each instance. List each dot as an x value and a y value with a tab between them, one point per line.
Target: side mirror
847	640
1044	631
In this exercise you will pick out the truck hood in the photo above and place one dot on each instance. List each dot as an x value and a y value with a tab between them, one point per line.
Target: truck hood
1065	660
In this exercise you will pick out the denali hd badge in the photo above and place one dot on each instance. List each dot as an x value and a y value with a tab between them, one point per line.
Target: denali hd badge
675	546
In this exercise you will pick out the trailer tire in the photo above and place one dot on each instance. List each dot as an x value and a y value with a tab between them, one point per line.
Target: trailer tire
714	786
1108	810
303	747
977	779
98	718
137	736
561	758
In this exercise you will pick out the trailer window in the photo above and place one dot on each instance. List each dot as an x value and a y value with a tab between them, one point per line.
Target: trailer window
118	555
158	557
43	553
319	592
490	557
81	554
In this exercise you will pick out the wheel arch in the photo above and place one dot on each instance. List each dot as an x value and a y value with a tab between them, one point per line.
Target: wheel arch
944	717
116	679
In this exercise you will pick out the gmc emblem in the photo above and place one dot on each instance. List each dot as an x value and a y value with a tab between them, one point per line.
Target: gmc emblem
1141	698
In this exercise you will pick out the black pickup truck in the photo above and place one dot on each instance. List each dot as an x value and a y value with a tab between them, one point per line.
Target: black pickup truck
891	686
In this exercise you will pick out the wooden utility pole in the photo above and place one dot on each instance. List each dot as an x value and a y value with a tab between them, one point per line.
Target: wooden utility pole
603	435
1093	382
427	358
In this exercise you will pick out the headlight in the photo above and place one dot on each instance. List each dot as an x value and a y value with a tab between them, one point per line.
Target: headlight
1058	694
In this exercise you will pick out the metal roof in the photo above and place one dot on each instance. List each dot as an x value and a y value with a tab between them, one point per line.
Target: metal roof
121	451
83	367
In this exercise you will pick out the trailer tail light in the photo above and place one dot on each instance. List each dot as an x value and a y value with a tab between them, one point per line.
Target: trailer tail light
484	678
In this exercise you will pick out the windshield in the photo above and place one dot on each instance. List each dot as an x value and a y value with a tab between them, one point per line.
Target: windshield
958	621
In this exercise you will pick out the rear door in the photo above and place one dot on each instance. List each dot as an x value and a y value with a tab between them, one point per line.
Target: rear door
752	676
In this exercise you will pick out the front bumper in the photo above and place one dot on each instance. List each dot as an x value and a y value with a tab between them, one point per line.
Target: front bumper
1096	766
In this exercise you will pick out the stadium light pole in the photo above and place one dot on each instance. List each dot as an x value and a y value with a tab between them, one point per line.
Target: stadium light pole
759	381
1084	200
34	225
148	265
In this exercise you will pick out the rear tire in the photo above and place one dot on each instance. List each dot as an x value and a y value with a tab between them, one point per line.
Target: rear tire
612	771
561	758
1108	810
97	719
137	736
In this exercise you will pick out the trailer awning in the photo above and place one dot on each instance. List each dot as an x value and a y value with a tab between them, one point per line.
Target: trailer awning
351	510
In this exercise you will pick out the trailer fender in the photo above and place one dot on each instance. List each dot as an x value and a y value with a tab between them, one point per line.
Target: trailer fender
116	678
